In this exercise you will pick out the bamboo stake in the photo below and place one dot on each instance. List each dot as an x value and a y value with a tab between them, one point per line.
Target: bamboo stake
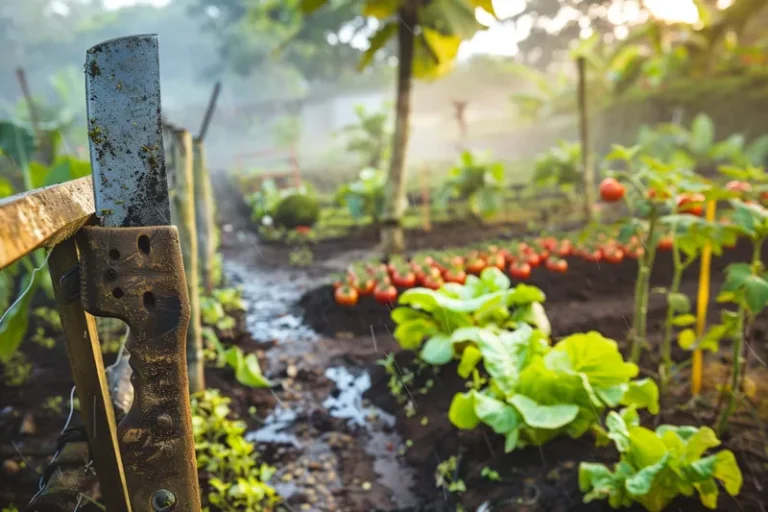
586	156
183	215
206	225
701	306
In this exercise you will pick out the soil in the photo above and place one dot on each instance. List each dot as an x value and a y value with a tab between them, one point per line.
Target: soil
333	430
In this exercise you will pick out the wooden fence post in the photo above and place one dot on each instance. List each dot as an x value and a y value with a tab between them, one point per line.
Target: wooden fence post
586	156
206	225
183	216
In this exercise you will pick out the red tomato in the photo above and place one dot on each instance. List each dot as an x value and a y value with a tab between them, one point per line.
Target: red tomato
366	287
739	186
653	194
533	260
564	249
611	190
665	244
476	265
497	260
432	282
455	275
520	270
385	294
345	296
691	203
593	255
557	265
614	255
403	280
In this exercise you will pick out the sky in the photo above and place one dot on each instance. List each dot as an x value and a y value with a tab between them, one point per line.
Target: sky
501	39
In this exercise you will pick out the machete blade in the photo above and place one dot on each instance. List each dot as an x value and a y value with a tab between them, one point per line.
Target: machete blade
122	79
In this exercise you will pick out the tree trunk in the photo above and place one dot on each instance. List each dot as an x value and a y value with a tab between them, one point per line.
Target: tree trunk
206	226
183	216
586	155
392	238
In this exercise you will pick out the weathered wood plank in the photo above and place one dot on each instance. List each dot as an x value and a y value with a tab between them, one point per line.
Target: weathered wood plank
90	379
43	217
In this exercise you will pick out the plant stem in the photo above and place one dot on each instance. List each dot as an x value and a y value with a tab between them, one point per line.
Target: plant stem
639	320
738	342
666	347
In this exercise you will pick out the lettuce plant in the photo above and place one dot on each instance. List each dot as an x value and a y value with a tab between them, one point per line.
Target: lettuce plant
537	392
657	466
440	323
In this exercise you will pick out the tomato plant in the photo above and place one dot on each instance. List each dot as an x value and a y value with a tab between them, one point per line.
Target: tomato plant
520	271
346	295
611	190
385	294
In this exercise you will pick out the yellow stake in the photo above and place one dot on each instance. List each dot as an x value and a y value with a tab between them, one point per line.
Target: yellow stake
701	304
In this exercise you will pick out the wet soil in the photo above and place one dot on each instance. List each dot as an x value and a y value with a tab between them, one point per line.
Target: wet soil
331	427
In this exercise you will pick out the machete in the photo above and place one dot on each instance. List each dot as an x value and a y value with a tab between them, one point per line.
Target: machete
131	268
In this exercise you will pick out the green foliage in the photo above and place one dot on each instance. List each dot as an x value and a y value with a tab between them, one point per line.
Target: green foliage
16	143
480	185
216	310
559	166
265	201
657	466
456	316
537	392
15	320
446	476
16	370
364	197
237	481
370	137
287	131
297	210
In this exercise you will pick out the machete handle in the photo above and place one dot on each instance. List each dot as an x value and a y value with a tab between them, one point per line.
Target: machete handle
137	275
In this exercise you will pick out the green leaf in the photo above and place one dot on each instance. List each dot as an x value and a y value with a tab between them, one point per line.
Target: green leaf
67	168
702	134
523	294
679	302
756	294
643	393
6	189
494	279
501	417
597	357
462	411
17	143
511	441
377	41
728	472
641	482
310	6
410	334
683	320
686	339
16	321
469	359
702	440
736	276
501	355
438	349
550	417
38	174
249	373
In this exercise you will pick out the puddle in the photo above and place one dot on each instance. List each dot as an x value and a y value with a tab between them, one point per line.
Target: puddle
346	400
272	432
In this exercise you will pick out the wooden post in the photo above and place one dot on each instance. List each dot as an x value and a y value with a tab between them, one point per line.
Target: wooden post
206	225
425	205
87	366
702	301
183	216
44	143
586	156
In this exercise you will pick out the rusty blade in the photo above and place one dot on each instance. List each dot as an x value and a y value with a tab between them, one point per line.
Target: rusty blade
122	78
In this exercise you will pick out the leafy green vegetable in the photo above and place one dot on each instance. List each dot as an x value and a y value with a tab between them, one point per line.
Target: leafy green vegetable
479	184
655	467
538	392
444	324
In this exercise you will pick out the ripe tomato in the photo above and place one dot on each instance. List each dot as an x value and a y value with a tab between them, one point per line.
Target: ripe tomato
691	203
345	296
611	190
385	294
432	282
520	270
593	255
455	275
564	249
739	186
496	260
613	255
557	265
366	287
665	244
533	260
403	279
475	265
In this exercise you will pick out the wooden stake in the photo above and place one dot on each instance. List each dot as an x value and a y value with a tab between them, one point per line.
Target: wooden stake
586	156
206	225
183	216
702	302
84	352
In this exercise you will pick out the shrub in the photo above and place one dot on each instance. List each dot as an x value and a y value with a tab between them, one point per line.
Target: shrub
297	210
